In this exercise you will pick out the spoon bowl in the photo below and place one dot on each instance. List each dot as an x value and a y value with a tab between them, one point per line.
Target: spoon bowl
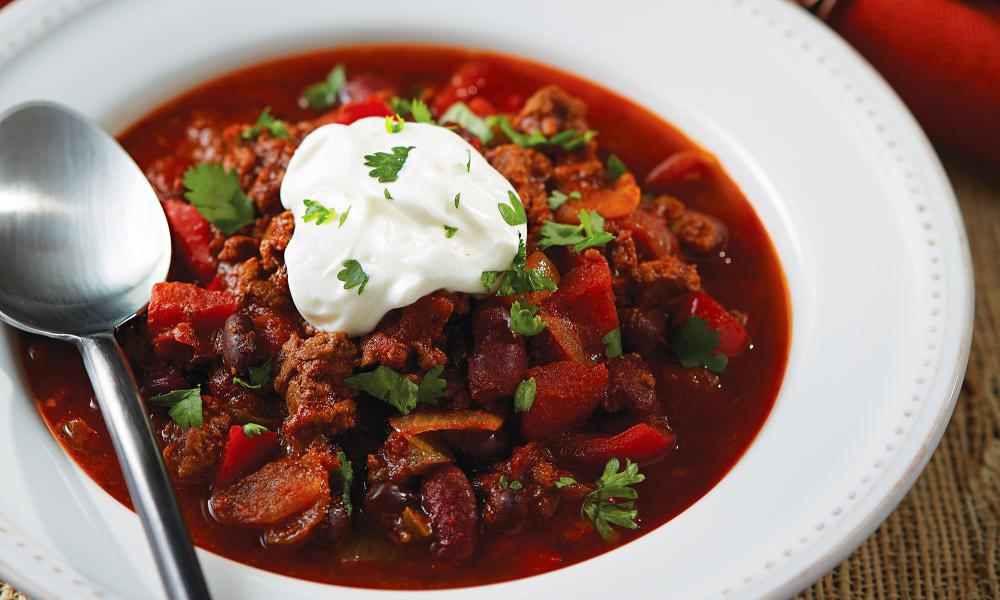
82	242
82	235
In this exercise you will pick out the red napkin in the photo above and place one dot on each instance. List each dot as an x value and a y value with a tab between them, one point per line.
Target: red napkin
942	57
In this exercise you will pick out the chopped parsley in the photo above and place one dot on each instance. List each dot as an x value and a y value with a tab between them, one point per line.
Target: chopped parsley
449	231
265	121
184	405
397	390
258	376
616	167
353	275
431	386
324	94
569	139
468	160
387	195
513	213
343	217
518	279
613	343
588	234
524	319
218	196
460	114
394	123
565	481
386	166
346	472
316	212
524	397
253	429
510	485
694	343
458	199
416	108
557	198
614	485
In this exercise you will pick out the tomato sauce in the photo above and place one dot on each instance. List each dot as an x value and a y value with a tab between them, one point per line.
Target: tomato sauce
714	427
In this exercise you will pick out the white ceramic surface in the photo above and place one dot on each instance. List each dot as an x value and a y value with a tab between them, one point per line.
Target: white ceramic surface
854	198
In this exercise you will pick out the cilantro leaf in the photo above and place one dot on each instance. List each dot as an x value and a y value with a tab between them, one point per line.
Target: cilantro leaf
273	126
431	386
387	195
614	485
449	231
324	94
588	234
694	344
468	160
518	279
510	485
460	114
616	167
317	212
569	139
524	319
386	166
394	123
565	481
253	429
343	217
524	396
184	405
258	376
557	198
346	471
513	213
458	199
613	343
416	108
388	386
218	196
353	275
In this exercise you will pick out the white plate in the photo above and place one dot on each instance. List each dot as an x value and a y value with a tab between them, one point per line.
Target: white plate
854	198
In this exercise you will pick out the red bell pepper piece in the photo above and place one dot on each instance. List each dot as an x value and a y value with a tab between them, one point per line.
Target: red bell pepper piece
184	315
565	395
733	336
191	236
586	298
244	454
370	107
685	165
642	443
465	83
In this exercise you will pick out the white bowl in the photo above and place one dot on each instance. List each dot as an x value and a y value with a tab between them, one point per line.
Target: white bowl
851	193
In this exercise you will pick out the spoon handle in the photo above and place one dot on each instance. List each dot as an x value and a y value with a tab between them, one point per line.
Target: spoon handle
139	455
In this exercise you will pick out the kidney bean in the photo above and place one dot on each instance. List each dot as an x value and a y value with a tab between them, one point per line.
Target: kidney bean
447	497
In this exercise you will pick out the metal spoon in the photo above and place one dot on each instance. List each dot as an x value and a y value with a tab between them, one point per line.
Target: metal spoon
82	241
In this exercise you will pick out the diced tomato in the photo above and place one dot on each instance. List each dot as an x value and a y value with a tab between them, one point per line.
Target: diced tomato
244	454
680	166
642	443
560	340
370	107
586	298
537	261
192	237
273	329
468	81
733	336
565	395
365	85
482	107
182	317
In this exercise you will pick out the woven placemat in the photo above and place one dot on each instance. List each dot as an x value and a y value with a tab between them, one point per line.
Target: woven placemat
944	539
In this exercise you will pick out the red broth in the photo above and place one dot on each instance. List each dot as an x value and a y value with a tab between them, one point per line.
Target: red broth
713	427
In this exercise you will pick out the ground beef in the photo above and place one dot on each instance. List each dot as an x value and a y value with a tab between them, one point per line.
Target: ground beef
191	455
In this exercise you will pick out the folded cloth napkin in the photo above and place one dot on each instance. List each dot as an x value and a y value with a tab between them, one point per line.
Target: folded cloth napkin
942	57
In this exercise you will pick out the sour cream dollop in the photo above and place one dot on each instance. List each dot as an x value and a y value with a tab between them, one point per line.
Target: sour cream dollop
400	243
